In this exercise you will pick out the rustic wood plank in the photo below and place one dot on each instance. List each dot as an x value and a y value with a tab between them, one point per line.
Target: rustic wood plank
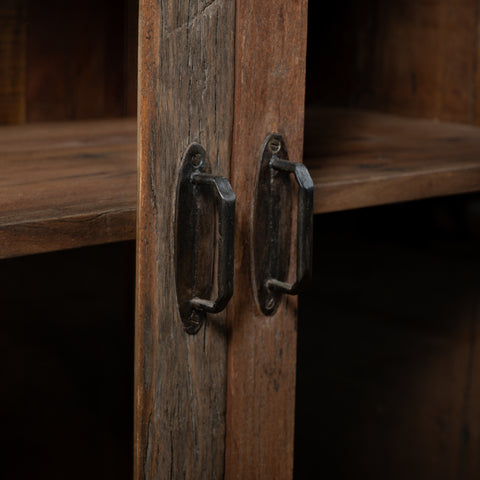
66	185
12	61
360	159
186	62
269	96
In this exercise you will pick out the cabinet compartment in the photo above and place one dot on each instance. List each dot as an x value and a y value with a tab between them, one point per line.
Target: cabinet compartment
387	352
68	106
66	359
388	365
68	175
391	88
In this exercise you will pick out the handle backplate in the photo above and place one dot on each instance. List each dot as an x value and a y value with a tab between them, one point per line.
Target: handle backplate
204	234
272	225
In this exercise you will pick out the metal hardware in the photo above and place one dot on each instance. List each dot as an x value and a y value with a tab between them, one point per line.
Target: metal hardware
272	225
196	248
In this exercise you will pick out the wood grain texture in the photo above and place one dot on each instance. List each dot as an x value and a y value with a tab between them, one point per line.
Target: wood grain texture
186	95
360	159
269	97
12	61
66	185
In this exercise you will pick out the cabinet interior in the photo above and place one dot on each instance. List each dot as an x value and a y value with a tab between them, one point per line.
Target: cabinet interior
388	340
388	337
387	329
66	359
68	180
68	135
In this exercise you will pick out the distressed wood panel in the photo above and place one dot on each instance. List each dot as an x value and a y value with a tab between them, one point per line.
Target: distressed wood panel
186	72
269	96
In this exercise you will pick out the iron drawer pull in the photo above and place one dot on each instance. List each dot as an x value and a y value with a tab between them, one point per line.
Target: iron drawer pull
272	225
304	226
226	218
205	209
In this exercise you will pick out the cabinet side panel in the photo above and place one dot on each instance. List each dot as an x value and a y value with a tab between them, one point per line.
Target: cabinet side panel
270	54
186	95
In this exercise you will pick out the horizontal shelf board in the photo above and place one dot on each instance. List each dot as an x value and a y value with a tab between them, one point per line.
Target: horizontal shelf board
359	159
66	185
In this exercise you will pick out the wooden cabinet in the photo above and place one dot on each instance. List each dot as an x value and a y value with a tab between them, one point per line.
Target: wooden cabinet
387	329
390	116
209	405
215	74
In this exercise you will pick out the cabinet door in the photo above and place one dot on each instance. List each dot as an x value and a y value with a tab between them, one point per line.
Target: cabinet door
270	52
186	95
199	58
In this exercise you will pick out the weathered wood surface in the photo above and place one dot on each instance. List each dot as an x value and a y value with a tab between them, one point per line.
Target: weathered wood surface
269	97
360	159
12	61
66	185
187	81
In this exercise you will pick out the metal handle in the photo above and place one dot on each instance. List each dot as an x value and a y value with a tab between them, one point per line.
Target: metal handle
304	226
199	256
226	220
272	225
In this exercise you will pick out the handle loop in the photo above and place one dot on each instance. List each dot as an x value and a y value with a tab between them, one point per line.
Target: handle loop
304	226
226	220
202	200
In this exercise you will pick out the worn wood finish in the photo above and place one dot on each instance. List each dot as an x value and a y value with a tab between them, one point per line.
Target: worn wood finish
12	61
360	159
66	185
186	76
269	97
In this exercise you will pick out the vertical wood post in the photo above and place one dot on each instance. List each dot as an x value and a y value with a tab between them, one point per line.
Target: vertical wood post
270	51
186	95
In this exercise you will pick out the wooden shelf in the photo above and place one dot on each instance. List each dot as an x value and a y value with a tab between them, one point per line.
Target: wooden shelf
360	159
66	185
